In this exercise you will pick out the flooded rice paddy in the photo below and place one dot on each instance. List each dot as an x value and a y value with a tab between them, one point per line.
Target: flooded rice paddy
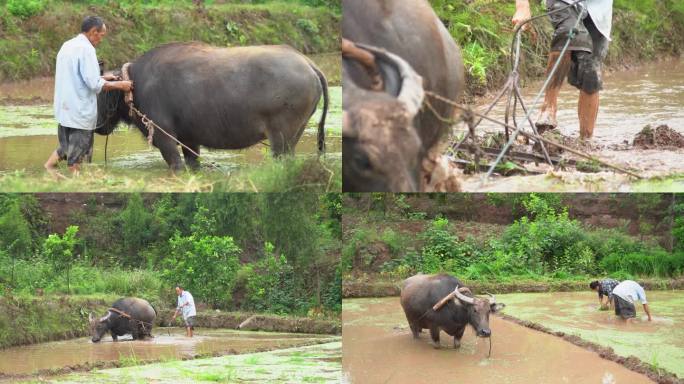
652	94
378	348
28	135
312	364
660	342
168	343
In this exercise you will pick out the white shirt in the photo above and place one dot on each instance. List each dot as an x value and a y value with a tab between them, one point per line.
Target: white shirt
630	291
188	310
601	12
77	83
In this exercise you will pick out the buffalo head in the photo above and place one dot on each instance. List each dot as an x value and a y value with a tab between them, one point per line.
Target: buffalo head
111	109
382	149
478	310
98	327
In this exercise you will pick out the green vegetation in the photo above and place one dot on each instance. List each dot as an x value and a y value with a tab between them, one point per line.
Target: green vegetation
543	242
34	30
272	253
484	31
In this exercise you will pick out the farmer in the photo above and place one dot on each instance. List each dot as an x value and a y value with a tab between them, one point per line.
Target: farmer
624	296
186	305
581	63
77	83
605	289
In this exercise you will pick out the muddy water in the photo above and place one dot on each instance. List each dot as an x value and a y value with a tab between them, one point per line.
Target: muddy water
660	342
167	344
651	94
631	99
320	363
378	348
28	135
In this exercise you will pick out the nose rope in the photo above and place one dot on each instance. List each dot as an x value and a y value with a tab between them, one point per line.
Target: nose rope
490	346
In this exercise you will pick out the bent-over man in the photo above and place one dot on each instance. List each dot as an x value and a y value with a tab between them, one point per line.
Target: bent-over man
77	83
605	290
624	296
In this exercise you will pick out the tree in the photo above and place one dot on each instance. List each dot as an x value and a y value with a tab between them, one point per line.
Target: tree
60	251
15	234
205	265
137	230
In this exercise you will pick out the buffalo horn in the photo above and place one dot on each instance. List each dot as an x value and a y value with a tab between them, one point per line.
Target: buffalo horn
412	93
493	299
105	317
462	297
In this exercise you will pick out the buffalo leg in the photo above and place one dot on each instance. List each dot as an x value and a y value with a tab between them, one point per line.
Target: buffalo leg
114	337
415	329
434	334
169	152
457	337
191	159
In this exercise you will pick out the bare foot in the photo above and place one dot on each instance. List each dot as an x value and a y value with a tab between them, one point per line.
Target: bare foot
546	122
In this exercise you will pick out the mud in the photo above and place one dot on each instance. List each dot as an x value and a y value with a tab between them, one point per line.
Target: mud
311	364
168	343
658	346
378	348
660	137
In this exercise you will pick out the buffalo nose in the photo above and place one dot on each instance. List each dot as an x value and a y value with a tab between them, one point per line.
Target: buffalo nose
485	333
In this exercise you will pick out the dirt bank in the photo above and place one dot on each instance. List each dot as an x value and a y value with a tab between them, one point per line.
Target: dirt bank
632	363
258	322
377	288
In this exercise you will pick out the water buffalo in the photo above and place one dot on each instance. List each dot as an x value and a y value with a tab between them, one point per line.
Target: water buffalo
421	292
126	316
227	98
411	30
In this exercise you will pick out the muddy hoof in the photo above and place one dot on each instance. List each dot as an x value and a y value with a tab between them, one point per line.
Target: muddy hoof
435	345
545	127
457	344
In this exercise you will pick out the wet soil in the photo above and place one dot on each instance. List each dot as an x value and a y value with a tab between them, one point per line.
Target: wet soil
168	343
378	348
312	364
660	137
659	343
649	95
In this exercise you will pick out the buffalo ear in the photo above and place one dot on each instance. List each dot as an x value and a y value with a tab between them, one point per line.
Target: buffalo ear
496	307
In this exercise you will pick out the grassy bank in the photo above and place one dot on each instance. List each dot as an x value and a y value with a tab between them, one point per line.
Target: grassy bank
30	39
642	31
382	286
37	319
30	319
543	249
285	175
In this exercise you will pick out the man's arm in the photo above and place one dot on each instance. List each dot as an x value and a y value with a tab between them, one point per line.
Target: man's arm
522	12
123	85
648	312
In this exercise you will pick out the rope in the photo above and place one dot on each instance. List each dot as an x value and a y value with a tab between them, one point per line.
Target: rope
571	36
126	315
515	91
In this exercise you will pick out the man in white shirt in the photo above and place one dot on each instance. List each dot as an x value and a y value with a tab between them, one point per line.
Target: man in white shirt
77	83
186	305
624	296
581	64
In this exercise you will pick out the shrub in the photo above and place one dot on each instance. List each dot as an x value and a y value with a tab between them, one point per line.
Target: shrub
25	8
206	265
658	263
271	286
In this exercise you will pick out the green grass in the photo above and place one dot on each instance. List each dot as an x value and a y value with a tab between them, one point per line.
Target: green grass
30	44
483	30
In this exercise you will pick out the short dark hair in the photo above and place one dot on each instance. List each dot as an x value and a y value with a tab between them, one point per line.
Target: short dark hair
179	286
594	284
91	22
